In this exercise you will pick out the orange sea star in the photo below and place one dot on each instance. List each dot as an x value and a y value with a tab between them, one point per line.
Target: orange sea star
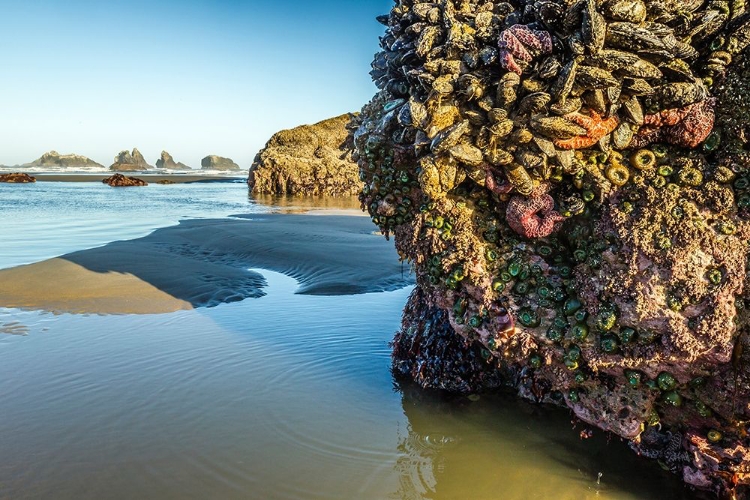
596	128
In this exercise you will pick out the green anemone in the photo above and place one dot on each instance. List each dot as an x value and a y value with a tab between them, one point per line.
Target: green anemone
715	276
672	398
573	396
579	377
643	159
580	331
571	306
628	335
528	318
498	285
606	320
712	141
554	334
475	321
609	343
573	353
535	361
633	377
714	436
617	174
666	381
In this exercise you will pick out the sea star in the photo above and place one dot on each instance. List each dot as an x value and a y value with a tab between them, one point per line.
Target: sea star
596	128
533	216
688	126
521	42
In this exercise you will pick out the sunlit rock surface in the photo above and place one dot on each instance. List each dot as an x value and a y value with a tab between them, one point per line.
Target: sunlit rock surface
308	160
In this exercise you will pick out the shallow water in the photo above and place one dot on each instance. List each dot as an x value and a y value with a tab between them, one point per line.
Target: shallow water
285	396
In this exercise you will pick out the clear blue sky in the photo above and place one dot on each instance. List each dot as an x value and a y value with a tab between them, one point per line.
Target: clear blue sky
193	77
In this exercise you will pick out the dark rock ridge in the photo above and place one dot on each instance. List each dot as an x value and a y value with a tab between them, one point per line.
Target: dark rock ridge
119	180
570	181
17	178
308	160
166	161
126	161
55	159
213	162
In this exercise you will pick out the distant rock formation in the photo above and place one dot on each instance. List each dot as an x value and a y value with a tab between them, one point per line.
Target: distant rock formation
214	162
308	160
17	178
130	162
166	161
119	180
55	159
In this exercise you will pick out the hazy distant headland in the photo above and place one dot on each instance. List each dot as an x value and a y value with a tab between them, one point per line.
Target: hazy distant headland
55	159
124	161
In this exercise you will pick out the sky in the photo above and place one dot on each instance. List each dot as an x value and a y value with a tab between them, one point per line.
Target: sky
192	77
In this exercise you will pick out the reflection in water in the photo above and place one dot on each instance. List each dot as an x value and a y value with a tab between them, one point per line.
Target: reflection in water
13	328
500	447
300	204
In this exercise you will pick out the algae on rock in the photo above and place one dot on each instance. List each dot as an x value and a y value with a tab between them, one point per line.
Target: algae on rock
308	160
570	181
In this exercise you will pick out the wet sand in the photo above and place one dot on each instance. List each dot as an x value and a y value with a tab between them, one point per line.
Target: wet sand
150	178
206	262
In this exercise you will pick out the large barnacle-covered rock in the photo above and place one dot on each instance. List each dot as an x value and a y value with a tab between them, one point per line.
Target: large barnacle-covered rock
570	180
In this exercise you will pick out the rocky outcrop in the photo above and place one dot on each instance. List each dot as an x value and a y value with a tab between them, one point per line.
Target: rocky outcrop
577	212
166	161
119	180
213	162
308	160
126	161
17	178
53	159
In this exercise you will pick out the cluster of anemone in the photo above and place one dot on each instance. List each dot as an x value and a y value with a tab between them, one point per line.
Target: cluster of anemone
527	155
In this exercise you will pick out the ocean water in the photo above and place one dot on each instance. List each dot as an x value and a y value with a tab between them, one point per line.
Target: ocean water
282	397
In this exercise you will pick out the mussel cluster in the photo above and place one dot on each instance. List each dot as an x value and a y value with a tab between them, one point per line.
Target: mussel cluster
556	173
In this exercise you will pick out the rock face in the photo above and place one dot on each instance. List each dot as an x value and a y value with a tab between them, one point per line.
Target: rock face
126	161
577	211
55	159
214	162
308	160
119	180
166	161
17	178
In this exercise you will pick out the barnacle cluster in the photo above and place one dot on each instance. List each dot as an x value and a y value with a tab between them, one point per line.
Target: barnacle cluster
559	174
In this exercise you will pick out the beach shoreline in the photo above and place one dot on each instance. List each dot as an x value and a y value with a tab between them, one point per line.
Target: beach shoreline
148	177
208	262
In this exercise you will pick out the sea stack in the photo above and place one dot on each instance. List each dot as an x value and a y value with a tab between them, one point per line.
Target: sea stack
166	161
213	162
571	183
308	160
53	159
126	161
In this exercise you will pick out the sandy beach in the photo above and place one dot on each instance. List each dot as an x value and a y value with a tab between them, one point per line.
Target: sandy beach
203	263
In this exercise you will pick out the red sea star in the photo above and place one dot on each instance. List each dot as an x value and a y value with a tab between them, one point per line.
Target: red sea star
596	128
533	216
687	126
